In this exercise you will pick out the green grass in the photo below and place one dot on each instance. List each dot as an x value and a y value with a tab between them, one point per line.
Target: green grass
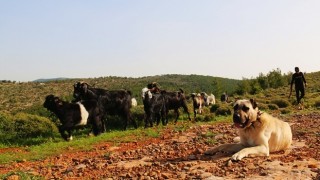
81	142
13	102
58	146
21	175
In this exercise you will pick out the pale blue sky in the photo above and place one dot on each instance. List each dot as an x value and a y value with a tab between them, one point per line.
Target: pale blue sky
135	38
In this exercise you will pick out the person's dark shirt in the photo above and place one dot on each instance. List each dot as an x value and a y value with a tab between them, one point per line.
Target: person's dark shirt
298	79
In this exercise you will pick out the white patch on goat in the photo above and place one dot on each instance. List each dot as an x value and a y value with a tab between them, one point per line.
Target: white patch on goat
143	92
134	102
84	115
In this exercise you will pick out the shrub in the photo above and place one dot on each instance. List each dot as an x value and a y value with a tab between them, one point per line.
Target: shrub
6	127
208	117
138	115
273	107
262	106
27	125
224	110
285	111
199	118
214	107
38	110
317	104
281	103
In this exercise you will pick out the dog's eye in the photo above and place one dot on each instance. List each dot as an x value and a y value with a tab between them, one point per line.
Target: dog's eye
245	108
235	107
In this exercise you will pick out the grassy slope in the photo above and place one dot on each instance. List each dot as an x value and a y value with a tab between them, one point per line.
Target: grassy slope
17	97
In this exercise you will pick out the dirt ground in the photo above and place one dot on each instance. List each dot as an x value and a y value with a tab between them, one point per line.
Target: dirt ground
179	155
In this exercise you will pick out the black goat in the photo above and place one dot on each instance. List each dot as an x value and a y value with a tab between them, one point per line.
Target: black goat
72	115
115	102
175	100
154	108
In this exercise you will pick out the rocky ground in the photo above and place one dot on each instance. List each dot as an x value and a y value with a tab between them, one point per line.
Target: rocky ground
178	154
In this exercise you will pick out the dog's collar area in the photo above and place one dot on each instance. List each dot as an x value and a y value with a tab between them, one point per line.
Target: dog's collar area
259	114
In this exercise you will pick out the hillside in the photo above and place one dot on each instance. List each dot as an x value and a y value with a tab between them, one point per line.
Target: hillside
31	148
15	97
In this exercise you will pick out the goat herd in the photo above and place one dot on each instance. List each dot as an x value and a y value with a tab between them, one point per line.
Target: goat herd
92	105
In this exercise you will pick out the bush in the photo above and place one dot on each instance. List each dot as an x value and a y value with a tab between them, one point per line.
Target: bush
38	110
6	127
285	111
208	117
224	110
199	118
317	104
214	107
273	106
262	106
281	103
138	115
27	125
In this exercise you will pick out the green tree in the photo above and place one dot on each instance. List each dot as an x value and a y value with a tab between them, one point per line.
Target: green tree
243	87
276	79
263	81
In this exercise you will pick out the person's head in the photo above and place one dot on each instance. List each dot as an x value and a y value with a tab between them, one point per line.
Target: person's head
296	69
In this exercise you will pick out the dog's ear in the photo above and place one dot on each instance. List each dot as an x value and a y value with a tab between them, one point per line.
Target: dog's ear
254	103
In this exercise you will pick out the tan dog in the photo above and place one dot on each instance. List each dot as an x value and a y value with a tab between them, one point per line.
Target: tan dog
260	133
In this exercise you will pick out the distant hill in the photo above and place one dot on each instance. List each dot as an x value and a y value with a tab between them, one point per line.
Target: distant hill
50	79
15	97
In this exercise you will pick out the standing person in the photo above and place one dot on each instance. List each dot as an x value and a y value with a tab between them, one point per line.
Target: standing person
300	83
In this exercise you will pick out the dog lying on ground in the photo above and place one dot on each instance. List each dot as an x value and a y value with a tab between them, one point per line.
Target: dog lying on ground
260	133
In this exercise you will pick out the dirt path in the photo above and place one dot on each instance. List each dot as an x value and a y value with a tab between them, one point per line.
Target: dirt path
179	155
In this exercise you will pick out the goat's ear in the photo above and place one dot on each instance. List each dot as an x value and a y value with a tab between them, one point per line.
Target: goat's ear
85	87
254	103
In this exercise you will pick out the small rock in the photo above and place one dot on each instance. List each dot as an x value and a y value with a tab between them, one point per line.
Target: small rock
205	175
165	175
81	166
312	166
192	157
229	163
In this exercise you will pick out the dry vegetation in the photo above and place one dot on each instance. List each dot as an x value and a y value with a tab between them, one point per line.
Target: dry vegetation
173	152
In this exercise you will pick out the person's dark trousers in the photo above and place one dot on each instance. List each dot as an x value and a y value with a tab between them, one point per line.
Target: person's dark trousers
298	96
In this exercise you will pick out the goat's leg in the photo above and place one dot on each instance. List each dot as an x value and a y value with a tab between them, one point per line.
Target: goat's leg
185	109
97	126
157	116
69	138
164	118
177	115
151	118
125	122
103	119
146	120
62	132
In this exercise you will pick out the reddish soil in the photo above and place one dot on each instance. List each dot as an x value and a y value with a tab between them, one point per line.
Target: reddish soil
179	155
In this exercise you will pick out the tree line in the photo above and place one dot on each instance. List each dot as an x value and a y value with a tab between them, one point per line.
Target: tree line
273	79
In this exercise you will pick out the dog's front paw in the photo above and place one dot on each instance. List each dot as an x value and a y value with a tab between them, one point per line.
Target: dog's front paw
211	151
238	156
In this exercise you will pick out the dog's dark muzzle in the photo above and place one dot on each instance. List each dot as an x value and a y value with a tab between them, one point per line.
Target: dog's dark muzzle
238	121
